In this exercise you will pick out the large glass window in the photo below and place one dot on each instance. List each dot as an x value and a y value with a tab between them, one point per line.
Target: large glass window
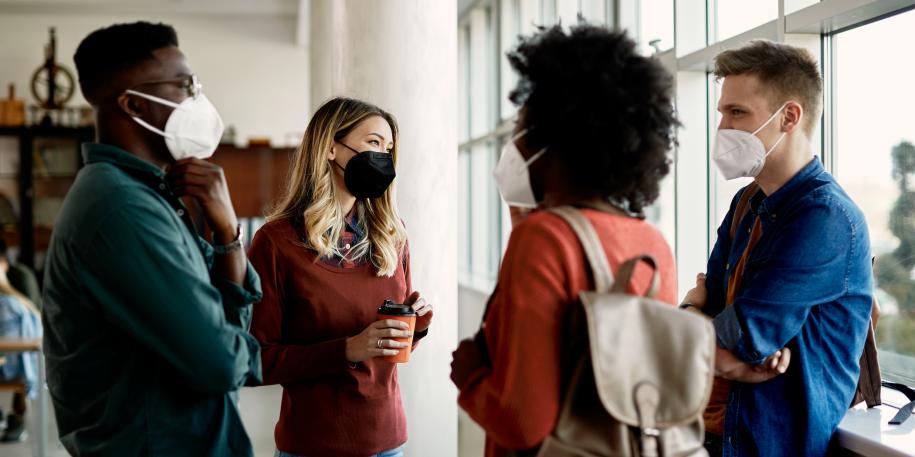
465	216
464	84
489	30
734	17
656	25
509	29
875	163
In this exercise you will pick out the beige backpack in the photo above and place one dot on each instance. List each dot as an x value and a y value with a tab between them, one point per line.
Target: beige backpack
643	375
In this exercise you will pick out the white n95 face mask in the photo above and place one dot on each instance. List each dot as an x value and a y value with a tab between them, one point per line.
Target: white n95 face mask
192	130
740	154
512	176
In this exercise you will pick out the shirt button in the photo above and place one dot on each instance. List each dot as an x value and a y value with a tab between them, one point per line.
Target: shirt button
180	212
162	186
347	246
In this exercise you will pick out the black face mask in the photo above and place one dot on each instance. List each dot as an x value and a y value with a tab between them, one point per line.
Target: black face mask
368	174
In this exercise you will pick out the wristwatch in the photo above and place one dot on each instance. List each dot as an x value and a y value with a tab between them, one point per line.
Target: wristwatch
235	245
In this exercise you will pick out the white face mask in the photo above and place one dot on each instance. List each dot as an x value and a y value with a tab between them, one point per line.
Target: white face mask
512	176
192	130
741	154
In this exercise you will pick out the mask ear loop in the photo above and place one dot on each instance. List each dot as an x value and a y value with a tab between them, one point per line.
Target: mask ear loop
534	157
519	134
145	124
770	118
776	143
347	147
780	138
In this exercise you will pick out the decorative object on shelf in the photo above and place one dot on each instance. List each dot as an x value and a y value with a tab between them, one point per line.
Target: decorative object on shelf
12	110
86	116
228	136
258	141
53	84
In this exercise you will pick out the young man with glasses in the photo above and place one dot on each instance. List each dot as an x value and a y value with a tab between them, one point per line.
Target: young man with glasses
146	323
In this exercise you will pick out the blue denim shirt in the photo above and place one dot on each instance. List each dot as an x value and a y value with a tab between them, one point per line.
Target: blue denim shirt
806	286
19	322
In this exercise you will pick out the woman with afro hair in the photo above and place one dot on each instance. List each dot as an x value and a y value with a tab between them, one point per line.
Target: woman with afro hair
595	128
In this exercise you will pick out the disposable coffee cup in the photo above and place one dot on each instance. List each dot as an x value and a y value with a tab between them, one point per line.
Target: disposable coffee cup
403	313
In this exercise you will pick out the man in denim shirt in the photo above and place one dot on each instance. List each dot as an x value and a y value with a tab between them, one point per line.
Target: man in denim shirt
793	273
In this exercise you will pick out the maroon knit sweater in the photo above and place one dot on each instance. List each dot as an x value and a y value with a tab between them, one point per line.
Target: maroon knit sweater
308	310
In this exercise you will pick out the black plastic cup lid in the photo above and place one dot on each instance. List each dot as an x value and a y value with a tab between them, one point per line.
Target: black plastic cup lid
390	308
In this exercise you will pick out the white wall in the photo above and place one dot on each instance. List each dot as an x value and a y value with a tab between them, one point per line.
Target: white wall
249	65
402	56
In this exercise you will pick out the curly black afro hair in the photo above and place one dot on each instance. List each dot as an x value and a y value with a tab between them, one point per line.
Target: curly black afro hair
605	110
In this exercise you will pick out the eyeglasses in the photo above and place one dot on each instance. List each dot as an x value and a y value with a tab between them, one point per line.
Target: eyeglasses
189	83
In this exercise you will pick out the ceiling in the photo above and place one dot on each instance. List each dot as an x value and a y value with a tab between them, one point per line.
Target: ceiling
223	7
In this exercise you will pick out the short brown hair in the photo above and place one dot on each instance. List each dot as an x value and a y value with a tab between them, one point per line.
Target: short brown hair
785	71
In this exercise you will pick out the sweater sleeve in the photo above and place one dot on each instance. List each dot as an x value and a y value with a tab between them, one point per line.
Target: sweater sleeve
283	362
517	400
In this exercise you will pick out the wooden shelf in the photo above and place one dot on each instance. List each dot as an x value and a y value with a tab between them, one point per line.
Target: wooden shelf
256	176
39	189
49	132
41	237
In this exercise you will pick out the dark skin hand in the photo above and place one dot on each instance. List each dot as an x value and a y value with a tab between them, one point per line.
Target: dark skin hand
466	359
206	182
192	178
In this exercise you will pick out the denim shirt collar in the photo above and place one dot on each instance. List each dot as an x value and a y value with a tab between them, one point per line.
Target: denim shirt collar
772	204
352	223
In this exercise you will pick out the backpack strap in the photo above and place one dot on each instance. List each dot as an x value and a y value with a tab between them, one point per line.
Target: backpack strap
597	258
743	206
628	267
594	250
647	398
869	380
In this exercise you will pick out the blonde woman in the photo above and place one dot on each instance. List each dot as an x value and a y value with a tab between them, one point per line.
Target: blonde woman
329	256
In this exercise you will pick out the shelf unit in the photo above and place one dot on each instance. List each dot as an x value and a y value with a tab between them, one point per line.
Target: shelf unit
48	159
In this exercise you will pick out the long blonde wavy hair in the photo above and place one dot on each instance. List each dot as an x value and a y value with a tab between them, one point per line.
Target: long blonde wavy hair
311	197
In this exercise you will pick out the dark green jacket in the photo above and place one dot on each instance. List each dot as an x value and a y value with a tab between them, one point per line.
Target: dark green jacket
145	347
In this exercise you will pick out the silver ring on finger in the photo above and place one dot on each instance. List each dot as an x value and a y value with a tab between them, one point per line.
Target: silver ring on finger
379	343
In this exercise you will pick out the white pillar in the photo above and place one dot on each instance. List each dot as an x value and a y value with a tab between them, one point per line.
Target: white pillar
402	56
